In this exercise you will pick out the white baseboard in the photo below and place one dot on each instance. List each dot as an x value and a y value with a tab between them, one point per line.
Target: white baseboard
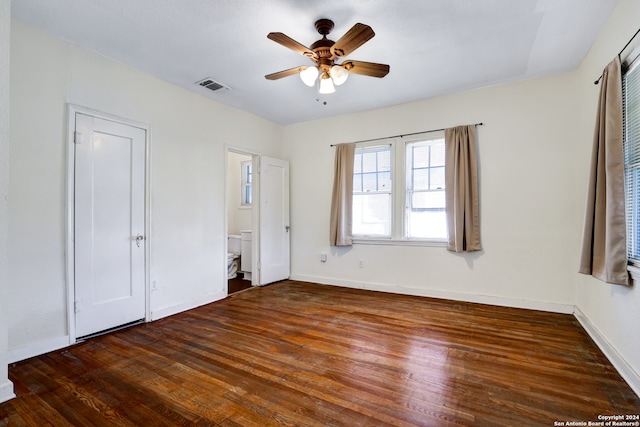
630	376
327	281
455	296
6	391
38	348
188	305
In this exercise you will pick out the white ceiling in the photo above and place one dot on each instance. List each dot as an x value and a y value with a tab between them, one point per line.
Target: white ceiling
434	47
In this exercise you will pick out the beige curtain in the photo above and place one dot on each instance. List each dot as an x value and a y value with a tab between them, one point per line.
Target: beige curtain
342	199
461	189
604	241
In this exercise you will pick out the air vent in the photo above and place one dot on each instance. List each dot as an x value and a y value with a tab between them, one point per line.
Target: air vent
212	85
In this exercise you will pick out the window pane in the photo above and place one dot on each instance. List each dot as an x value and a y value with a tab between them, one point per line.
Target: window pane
427	225
420	156
247	195
357	183
384	160
428	200
369	163
437	178
632	178
437	153
246	178
420	179
384	181
372	214
369	182
357	162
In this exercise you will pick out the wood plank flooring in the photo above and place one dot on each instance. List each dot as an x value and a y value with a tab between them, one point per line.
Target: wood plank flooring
237	284
302	354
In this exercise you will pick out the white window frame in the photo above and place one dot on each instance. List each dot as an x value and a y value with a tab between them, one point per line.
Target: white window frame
392	190
633	234
244	183
399	193
430	138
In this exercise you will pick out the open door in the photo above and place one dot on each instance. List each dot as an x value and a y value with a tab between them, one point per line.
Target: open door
274	246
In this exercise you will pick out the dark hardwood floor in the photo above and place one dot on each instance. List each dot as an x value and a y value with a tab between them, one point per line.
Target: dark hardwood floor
302	354
238	284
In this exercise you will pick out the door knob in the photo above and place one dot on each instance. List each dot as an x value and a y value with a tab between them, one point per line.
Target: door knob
139	238
286	227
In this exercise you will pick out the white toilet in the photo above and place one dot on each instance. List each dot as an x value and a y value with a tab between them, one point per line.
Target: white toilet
234	248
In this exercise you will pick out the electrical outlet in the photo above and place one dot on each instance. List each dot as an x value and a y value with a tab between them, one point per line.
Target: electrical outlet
361	263
323	257
154	285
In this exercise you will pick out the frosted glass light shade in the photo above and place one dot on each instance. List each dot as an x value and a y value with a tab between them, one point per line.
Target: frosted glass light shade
326	85
339	75
309	75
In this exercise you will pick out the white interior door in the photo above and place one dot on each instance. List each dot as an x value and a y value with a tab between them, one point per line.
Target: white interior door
274	253
109	224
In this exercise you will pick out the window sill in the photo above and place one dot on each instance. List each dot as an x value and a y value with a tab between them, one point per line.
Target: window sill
396	242
635	272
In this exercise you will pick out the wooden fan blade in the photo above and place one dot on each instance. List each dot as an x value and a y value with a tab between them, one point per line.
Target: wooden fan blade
290	43
367	68
353	39
285	73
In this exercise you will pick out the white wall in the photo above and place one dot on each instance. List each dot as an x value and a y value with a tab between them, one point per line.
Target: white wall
612	311
6	388
239	217
189	133
528	206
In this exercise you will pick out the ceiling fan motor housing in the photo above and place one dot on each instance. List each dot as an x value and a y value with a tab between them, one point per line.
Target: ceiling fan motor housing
324	26
322	47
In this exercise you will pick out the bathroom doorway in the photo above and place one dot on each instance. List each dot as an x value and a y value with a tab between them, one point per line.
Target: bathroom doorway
240	211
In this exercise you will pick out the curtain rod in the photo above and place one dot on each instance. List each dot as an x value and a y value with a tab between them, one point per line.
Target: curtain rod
620	53
403	135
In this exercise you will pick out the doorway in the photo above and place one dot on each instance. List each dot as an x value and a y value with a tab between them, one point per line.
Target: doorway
265	244
107	247
241	192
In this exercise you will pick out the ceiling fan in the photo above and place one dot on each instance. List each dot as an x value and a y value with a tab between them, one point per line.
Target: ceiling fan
325	52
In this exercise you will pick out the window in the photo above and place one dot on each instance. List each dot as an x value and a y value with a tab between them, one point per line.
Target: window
631	141
246	182
372	191
398	190
425	199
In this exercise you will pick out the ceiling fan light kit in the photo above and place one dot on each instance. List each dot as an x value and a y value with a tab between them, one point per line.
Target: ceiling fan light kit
338	74
326	85
309	76
326	73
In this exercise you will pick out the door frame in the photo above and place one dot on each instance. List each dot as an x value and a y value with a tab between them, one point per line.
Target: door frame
72	110
255	212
